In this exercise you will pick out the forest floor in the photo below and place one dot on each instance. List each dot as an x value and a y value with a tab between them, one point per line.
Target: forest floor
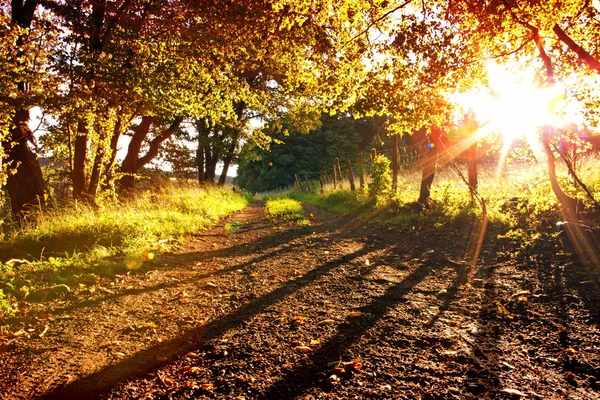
254	309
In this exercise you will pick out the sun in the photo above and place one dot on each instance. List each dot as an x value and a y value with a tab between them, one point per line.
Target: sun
512	104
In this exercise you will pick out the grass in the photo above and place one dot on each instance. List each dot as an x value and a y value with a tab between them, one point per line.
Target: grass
339	201
79	244
521	207
285	209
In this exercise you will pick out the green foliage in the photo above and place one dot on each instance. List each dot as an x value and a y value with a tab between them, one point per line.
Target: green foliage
70	244
5	306
284	209
339	201
381	180
263	169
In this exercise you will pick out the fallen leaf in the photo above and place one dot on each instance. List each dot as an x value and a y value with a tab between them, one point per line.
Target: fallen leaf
195	370
355	314
299	319
326	322
120	354
314	343
367	262
507	365
41	335
355	364
167	381
514	392
151	325
303	349
207	387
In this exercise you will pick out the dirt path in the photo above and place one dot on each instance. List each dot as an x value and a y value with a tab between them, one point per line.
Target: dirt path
254	309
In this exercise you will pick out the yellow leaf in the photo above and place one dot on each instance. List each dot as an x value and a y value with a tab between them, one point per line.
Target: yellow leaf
303	349
355	314
326	322
207	387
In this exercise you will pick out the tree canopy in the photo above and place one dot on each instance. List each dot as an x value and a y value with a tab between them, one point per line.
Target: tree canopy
104	69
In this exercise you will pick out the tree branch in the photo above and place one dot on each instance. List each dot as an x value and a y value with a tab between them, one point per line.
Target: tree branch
373	23
157	141
538	42
583	55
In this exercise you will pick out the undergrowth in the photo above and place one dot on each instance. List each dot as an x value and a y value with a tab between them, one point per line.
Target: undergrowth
79	244
521	208
285	209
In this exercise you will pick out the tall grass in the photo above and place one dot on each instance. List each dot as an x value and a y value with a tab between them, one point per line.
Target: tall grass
77	244
285	209
520	205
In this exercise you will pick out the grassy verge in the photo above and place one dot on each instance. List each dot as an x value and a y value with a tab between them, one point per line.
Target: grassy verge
339	201
78	245
521	208
285	209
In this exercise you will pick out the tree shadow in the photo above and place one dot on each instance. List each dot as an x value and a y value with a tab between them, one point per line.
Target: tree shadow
150	359
264	243
294	383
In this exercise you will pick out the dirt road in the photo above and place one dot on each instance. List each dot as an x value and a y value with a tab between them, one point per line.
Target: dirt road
341	309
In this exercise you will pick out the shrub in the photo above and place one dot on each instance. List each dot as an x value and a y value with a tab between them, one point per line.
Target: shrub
381	180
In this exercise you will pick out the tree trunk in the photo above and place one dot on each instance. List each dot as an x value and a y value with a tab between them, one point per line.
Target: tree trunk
133	162
128	166
472	166
429	165
395	163
566	201
26	186
114	142
79	158
229	157
200	164
212	157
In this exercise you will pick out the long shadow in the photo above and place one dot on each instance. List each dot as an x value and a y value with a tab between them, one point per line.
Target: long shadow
294	383
482	375
274	240
145	361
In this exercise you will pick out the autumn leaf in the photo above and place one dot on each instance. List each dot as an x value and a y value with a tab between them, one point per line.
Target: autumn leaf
302	349
514	392
207	387
326	322
299	319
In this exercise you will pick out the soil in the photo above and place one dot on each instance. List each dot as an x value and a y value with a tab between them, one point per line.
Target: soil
341	309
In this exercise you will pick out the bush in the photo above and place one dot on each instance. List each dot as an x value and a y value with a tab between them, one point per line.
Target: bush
381	180
284	209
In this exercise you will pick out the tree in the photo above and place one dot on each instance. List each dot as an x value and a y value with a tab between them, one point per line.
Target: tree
304	154
25	183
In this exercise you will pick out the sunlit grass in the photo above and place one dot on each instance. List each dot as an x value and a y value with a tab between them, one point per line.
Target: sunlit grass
78	243
336	200
284	209
520	205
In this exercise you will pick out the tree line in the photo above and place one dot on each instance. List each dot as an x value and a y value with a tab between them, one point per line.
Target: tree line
151	69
